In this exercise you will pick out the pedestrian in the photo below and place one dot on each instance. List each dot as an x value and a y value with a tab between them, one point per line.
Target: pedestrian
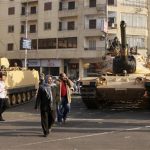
65	87
3	95
46	100
42	79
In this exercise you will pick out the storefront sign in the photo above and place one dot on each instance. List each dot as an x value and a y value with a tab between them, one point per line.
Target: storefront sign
33	63
51	63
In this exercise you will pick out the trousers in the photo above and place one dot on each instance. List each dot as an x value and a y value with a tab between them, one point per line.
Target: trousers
63	109
47	119
3	105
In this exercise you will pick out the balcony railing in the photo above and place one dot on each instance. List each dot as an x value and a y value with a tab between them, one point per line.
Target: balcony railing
64	9
67	29
135	4
94	48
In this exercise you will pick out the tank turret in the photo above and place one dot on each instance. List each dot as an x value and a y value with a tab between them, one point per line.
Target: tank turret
124	62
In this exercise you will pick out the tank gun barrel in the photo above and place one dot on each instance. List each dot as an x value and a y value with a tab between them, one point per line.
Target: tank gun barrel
124	62
123	39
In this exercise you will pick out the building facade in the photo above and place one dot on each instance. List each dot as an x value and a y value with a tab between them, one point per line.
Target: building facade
69	35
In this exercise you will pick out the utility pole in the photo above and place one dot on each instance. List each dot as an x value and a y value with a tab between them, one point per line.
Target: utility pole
26	34
106	26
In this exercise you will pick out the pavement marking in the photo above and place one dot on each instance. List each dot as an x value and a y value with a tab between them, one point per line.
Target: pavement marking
132	129
69	119
62	139
78	137
83	119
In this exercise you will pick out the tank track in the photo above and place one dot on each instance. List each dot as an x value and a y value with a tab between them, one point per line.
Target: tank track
89	97
93	98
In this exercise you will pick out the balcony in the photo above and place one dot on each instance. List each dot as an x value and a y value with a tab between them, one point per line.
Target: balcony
29	1
67	33
94	48
100	51
68	13
100	9
93	32
30	17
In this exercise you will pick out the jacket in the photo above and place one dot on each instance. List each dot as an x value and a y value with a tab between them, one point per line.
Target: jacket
69	86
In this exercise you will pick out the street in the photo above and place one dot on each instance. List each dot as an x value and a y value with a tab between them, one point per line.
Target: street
84	130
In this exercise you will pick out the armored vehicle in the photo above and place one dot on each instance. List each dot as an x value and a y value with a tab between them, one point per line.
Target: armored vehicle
125	83
21	83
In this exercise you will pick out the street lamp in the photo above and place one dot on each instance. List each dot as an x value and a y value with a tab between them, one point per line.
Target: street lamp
26	33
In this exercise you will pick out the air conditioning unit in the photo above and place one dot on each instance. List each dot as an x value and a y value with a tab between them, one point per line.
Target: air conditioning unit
113	25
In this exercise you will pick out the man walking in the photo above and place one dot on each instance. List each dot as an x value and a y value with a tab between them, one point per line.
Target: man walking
46	100
65	86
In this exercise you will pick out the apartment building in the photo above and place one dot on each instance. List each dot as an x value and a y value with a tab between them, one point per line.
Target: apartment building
69	35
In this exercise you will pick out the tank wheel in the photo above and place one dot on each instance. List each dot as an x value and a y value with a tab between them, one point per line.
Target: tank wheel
23	97
13	99
28	96
145	103
9	100
18	98
91	103
32	93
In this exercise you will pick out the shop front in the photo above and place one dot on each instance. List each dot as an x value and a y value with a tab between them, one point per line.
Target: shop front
47	66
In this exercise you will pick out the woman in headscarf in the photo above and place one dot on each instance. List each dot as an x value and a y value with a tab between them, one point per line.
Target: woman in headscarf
46	100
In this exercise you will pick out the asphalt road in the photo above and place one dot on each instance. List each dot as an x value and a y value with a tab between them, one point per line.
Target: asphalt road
84	130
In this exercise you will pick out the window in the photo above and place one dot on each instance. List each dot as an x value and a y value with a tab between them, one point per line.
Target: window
23	11
92	3
33	10
135	20
10	46
60	26
92	44
32	28
110	2
137	3
47	43
22	29
60	5
111	20
34	44
11	10
92	24
10	29
71	5
70	42
71	25
138	41
47	25
47	6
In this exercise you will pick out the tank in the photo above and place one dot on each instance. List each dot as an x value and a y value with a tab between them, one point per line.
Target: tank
21	83
122	80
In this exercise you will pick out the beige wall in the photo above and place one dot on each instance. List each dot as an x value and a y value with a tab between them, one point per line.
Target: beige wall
54	16
148	40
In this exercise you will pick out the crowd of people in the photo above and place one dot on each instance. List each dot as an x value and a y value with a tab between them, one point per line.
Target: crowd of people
53	99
